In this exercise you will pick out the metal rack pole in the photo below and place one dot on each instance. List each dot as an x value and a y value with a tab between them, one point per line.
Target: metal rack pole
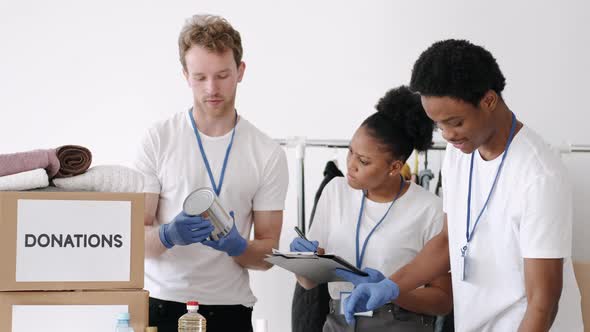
337	143
301	143
579	148
300	176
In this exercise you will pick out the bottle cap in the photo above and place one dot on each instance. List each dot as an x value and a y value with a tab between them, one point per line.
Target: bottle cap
123	316
192	303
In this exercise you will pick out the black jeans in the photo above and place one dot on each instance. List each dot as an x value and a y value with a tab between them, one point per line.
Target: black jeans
220	318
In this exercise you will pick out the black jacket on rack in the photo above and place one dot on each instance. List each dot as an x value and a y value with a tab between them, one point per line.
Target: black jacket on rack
310	307
330	171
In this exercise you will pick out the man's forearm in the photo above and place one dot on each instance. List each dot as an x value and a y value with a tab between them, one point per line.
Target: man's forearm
153	246
426	300
431	263
253	257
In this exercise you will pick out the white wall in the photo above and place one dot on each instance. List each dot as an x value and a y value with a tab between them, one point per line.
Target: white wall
99	73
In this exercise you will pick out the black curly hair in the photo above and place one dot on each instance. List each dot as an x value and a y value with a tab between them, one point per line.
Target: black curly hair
458	69
400	123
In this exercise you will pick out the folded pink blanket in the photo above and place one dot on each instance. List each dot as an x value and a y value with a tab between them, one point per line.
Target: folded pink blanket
73	160
26	161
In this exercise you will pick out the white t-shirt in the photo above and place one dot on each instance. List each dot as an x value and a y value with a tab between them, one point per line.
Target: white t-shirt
256	179
412	221
528	216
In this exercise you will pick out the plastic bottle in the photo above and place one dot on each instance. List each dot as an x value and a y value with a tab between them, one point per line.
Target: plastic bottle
192	321
123	323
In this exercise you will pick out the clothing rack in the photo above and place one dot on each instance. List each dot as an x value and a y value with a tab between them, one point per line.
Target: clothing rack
301	143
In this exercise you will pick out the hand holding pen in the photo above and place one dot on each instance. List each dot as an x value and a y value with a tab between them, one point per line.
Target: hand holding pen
302	244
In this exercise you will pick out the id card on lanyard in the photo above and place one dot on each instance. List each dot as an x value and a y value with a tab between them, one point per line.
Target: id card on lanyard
216	187
463	262
360	255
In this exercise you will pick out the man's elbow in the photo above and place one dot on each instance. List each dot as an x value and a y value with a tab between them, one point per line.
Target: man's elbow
306	284
547	299
554	314
547	307
253	264
443	305
446	306
264	266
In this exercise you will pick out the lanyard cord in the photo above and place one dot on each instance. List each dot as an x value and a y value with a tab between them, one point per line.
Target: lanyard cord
361	256
468	235
216	188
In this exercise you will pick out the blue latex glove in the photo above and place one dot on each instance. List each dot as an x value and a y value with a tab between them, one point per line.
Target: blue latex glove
184	230
373	277
233	243
301	245
366	297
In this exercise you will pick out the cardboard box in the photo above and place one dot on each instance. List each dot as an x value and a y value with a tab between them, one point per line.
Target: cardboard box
582	271
71	241
71	311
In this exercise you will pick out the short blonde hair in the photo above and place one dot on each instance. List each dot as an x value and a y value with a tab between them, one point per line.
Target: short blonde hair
212	32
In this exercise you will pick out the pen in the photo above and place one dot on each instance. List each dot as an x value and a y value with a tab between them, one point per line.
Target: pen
300	233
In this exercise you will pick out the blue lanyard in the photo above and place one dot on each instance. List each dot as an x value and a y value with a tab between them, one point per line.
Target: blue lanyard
468	235
359	258
216	188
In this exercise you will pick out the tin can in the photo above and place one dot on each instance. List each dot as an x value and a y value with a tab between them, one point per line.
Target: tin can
204	202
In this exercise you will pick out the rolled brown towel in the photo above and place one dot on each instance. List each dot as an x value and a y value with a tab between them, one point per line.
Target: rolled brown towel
73	159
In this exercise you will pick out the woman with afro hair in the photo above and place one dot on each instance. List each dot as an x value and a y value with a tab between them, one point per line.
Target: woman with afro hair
380	221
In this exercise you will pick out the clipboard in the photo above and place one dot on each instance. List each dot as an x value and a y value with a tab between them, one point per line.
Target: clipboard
318	268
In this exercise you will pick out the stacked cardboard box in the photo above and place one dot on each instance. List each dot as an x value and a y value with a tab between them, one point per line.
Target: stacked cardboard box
71	261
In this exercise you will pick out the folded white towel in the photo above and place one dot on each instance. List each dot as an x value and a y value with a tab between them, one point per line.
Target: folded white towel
36	178
104	178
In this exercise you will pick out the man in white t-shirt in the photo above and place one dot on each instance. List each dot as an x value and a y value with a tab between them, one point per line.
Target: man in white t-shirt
209	145
507	236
